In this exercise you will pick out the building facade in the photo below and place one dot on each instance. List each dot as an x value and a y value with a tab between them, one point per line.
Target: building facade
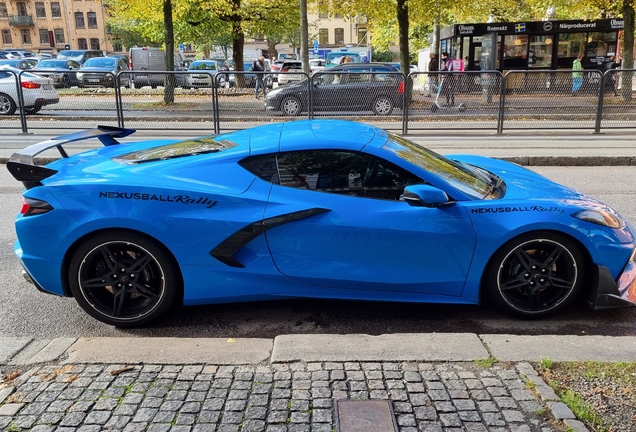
49	26
337	31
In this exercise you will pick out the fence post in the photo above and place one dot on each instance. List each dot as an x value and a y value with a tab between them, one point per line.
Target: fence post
310	97
119	108
215	104
18	84
599	108
502	102
405	102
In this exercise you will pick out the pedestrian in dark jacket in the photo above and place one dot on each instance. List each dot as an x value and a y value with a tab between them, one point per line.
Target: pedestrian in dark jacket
433	66
611	76
259	66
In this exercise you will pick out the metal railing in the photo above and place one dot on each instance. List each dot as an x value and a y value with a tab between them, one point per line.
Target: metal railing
212	101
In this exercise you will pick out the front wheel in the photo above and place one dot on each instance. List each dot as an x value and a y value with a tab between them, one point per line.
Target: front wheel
535	274
66	82
291	106
122	279
382	106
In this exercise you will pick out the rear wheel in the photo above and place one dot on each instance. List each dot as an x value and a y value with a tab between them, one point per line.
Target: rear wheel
291	106
7	105
122	279
535	274
382	106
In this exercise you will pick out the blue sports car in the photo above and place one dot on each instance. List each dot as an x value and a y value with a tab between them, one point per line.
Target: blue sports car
322	209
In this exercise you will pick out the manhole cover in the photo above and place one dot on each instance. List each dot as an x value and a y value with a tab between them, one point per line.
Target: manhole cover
365	416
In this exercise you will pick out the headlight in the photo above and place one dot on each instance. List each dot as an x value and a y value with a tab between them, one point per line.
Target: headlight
80	75
600	217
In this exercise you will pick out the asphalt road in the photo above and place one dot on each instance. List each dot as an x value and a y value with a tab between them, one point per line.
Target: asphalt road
26	312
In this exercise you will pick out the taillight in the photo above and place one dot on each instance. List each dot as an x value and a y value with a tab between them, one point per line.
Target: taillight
401	88
30	85
32	207
284	69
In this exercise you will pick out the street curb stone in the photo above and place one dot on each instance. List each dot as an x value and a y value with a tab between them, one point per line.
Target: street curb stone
10	346
52	351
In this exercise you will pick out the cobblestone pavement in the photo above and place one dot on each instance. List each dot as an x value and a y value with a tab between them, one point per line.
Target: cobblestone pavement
294	397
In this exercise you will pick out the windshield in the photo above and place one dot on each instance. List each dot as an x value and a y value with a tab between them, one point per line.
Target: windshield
179	149
14	63
51	64
203	66
334	58
456	175
102	62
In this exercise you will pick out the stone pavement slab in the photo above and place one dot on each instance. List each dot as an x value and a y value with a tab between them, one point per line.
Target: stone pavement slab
163	350
10	346
393	347
561	348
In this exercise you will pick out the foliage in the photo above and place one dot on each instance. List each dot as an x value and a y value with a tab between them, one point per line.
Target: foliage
383	56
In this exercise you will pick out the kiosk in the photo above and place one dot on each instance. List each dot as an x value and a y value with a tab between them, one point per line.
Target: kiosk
526	45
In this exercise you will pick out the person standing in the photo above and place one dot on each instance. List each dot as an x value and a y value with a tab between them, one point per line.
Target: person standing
577	75
612	76
259	66
447	80
433	66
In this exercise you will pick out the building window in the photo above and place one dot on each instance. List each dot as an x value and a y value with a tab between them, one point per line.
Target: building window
79	20
44	37
56	12
59	36
362	35
22	10
95	44
323	36
337	16
3	10
40	10
26	37
6	37
81	44
339	36
92	19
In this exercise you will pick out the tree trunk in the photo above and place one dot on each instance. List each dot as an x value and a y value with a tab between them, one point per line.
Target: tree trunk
304	36
168	94
238	42
628	49
271	49
403	23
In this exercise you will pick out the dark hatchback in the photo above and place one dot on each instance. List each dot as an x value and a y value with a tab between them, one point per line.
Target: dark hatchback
62	72
359	87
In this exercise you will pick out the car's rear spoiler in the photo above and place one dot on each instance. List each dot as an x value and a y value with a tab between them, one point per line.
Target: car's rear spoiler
22	166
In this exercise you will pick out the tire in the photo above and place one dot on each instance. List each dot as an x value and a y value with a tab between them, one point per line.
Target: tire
125	263
291	106
434	108
66	82
462	108
382	106
535	274
221	81
7	105
137	86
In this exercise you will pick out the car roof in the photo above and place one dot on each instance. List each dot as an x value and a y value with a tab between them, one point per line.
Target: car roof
375	66
314	134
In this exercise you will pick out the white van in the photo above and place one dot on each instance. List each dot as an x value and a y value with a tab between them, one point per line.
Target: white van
147	59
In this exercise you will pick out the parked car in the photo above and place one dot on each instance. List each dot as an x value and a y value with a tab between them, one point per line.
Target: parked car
17	54
37	91
275	212
24	64
398	66
250	78
80	56
101	71
62	72
291	71
317	65
352	87
275	67
208	69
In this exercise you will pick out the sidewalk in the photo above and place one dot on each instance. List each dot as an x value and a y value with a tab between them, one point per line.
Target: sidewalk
293	383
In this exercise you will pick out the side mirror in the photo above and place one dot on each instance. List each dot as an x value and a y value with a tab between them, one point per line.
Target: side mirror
422	195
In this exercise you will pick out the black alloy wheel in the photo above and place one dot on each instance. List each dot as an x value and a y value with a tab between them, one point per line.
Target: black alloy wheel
66	82
122	279
535	275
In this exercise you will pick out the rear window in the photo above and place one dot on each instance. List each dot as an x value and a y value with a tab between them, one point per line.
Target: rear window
192	147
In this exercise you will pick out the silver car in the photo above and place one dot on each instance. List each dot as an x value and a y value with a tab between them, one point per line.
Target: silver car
37	91
207	71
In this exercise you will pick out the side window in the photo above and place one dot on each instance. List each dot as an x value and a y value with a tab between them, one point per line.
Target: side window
345	173
262	166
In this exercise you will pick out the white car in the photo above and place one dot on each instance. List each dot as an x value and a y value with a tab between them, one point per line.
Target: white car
37	91
316	65
288	68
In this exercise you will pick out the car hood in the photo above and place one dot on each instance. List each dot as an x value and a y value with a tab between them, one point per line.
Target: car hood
523	184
